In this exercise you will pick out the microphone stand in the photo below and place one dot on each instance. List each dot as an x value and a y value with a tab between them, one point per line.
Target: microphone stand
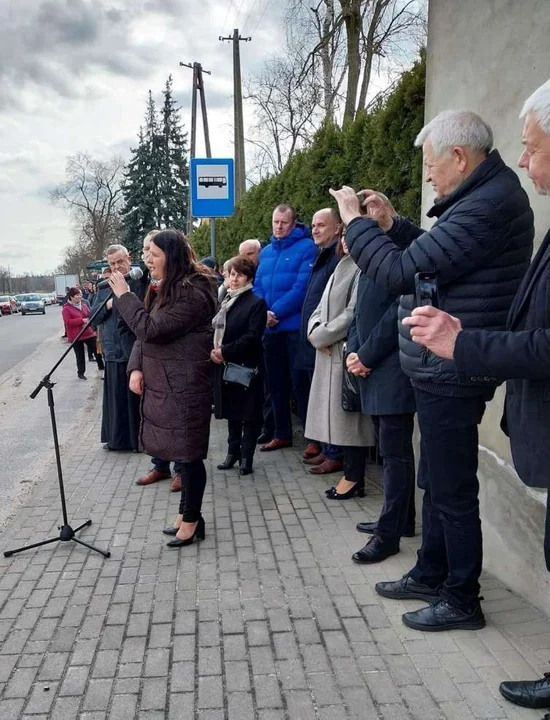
66	532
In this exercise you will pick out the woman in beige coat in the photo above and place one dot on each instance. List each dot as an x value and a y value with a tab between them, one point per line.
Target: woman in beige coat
327	422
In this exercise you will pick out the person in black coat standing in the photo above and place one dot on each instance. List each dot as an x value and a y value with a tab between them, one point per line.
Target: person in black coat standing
520	354
238	332
479	247
387	396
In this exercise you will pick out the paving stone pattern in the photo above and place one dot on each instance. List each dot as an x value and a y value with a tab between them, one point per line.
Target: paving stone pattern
267	619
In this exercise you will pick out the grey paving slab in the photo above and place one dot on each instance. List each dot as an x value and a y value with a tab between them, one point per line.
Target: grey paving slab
267	619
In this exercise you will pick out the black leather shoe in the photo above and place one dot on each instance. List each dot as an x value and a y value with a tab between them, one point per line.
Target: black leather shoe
246	466
357	489
406	589
199	534
528	693
371	527
229	462
170	531
265	438
441	616
375	551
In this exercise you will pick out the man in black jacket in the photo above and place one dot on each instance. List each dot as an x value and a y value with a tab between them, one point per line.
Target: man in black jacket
479	247
326	229
520	354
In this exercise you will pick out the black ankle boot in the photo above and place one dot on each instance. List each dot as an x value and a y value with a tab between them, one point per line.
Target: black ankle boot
246	466
229	462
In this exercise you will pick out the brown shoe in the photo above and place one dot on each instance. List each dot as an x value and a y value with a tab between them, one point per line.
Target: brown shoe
311	451
315	460
175	485
327	467
152	477
276	444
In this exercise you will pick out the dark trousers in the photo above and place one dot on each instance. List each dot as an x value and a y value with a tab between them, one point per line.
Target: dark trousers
394	437
242	437
451	554
78	348
164	465
193	482
355	459
280	351
547	533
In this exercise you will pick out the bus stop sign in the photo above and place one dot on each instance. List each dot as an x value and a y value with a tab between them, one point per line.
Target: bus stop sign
212	187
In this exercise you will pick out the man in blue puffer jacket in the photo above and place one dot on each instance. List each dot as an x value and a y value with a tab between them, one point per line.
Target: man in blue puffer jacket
479	248
281	280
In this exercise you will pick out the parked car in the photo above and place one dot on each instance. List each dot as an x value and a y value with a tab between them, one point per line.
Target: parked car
8	305
32	303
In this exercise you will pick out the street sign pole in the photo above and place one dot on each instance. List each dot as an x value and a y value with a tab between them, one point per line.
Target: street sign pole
213	237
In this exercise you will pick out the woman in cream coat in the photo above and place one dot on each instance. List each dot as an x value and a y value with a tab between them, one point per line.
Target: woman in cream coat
327	422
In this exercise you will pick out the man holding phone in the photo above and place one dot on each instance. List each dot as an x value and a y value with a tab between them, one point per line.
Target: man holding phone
479	249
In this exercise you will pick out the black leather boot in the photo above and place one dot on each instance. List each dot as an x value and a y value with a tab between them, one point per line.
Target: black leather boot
246	466
229	462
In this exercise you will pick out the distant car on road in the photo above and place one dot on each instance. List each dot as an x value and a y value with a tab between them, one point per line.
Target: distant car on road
32	303
8	306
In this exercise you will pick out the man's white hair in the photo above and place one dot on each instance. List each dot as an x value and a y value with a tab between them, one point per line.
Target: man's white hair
456	128
112	249
253	241
538	104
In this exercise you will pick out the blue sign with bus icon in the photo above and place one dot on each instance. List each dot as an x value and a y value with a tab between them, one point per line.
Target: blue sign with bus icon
212	187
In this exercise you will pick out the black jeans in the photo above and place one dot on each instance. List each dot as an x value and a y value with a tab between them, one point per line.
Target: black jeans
282	378
242	437
78	348
451	554
193	482
394	437
355	459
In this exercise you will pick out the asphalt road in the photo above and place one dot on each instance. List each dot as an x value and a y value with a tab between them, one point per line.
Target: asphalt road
29	347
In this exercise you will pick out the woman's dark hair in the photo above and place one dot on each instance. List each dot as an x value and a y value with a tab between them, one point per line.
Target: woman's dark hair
181	265
243	266
340	248
74	291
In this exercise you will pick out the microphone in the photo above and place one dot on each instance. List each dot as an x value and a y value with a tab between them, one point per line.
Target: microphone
134	274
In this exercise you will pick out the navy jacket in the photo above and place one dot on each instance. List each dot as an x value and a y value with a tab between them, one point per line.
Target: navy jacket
522	356
282	277
480	247
373	335
323	267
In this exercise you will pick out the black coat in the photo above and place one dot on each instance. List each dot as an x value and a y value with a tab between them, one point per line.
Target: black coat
373	335
521	356
322	269
480	247
242	344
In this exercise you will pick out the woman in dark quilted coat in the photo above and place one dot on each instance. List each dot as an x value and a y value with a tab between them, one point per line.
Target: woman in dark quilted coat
170	367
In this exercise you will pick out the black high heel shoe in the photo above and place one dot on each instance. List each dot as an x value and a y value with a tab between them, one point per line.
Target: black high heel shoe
229	462
170	530
246	466
199	534
357	490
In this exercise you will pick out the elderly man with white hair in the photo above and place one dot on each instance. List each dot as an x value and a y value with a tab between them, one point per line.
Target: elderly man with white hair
520	354
251	249
479	247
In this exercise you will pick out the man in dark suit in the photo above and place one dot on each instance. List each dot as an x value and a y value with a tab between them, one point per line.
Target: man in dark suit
520	354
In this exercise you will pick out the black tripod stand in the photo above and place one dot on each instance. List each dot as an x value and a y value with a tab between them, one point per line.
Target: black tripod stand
66	532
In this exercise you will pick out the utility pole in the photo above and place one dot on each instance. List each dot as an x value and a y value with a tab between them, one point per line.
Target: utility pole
198	87
240	168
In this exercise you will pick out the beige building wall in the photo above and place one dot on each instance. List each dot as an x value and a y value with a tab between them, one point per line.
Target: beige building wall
488	56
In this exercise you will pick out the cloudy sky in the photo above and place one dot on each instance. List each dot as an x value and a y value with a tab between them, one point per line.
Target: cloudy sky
74	76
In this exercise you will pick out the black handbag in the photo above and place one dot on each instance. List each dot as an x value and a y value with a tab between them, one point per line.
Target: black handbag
351	395
239	374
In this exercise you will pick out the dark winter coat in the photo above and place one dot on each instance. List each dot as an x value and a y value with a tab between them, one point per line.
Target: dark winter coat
282	277
480	247
172	350
322	270
373	336
521	356
242	344
117	339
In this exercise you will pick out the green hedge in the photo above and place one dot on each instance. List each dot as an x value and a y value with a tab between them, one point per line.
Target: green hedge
375	151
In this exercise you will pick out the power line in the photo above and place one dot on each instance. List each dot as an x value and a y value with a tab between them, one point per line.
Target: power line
227	15
249	14
238	13
268	3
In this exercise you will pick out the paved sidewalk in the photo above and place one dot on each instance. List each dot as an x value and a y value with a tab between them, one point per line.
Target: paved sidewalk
268	618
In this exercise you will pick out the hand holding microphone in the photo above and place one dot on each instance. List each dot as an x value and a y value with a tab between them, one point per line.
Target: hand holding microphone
117	281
